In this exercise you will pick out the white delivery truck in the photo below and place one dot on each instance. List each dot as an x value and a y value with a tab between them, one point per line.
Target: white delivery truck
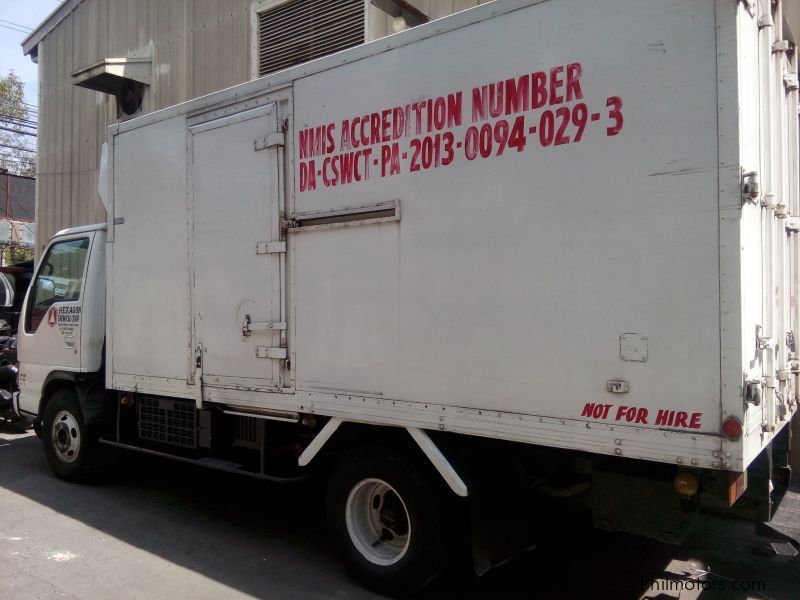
537	244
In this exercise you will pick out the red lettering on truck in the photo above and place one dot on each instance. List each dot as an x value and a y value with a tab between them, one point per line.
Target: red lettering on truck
505	115
596	411
639	415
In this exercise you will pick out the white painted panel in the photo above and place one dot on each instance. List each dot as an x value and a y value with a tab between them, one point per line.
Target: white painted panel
517	274
496	304
235	196
752	309
149	321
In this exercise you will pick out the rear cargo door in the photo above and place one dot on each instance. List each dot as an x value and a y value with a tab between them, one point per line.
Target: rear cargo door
788	216
777	336
234	175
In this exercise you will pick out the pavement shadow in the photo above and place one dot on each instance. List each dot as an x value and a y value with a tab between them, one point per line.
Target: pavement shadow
253	535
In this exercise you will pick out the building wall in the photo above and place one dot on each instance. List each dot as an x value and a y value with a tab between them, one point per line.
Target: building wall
380	24
197	47
17	197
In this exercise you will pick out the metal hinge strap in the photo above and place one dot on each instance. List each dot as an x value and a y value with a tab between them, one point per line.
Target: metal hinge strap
271	141
273	353
249	326
271	247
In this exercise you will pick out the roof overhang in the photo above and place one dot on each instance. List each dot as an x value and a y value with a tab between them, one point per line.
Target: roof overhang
108	75
62	11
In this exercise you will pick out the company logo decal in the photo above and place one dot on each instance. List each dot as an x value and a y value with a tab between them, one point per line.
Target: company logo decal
52	317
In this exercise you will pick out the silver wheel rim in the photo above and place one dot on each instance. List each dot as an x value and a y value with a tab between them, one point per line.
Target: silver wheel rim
66	436
377	522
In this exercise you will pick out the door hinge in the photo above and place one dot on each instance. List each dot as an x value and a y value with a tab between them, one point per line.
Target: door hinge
782	46
273	353
792	224
751	188
271	141
287	224
271	247
763	342
790	82
753	392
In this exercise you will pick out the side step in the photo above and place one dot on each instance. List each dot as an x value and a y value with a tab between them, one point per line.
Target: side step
785	522
207	462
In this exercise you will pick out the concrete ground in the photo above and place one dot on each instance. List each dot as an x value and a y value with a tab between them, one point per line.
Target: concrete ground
162	530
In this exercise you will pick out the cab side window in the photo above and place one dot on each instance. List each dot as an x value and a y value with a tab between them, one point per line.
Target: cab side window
59	280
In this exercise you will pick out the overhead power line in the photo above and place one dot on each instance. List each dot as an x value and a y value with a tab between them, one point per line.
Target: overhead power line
16	25
14	29
20	122
20	148
17	131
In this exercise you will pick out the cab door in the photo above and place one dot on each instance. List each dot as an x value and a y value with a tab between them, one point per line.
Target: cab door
49	336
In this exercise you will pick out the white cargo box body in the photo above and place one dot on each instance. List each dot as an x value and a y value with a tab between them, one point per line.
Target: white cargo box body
525	221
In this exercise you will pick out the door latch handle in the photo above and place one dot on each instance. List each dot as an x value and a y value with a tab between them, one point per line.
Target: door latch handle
248	326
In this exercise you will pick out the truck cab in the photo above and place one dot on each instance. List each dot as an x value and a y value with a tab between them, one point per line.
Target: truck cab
62	325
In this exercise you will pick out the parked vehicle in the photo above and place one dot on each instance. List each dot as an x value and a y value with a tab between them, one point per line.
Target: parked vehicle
14	281
8	387
508	250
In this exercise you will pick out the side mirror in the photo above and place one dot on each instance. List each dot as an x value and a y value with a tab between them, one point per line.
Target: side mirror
45	291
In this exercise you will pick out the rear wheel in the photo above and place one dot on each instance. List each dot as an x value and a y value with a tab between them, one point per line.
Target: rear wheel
65	436
386	521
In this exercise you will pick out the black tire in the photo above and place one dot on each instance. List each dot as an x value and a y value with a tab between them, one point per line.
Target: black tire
65	437
424	555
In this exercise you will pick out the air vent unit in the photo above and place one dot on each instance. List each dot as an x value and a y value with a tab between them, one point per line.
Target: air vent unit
302	30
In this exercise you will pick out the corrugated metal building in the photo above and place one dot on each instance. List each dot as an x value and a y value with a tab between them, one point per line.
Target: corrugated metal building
101	61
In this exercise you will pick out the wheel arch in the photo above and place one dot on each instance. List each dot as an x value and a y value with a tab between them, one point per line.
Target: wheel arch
55	381
88	388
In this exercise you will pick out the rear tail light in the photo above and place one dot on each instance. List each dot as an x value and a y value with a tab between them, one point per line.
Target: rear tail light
732	428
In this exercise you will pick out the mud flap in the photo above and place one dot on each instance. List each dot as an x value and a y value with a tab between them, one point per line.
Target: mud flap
640	505
785	521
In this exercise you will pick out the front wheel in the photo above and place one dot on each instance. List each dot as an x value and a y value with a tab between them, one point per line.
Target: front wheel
65	436
386	521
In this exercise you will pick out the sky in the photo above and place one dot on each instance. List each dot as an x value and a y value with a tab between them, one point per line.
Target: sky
21	15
